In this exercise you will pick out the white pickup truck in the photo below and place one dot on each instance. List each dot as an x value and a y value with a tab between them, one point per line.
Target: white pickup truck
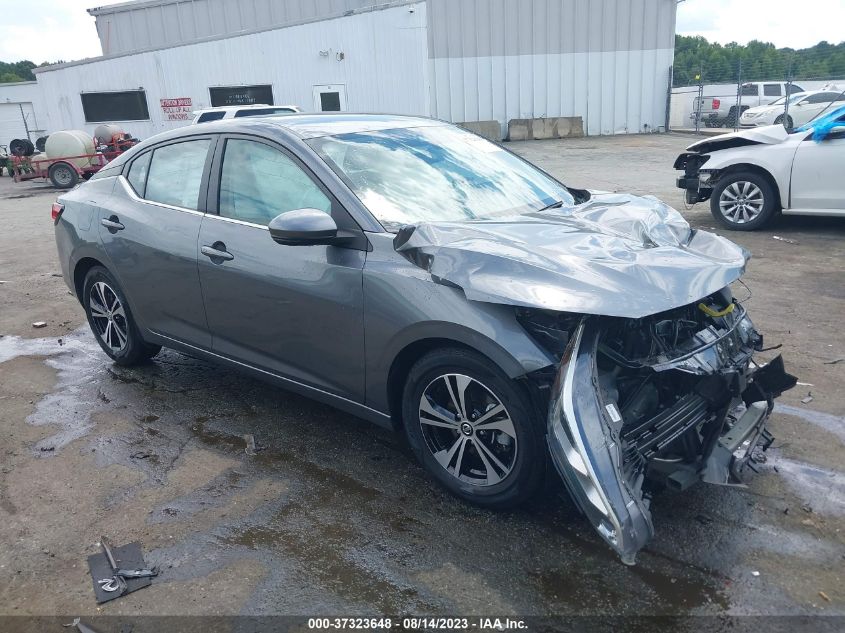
721	110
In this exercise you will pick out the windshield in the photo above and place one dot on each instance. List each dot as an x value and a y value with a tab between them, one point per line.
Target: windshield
436	173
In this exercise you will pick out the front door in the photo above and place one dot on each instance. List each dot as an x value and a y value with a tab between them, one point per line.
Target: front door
817	181
150	230
330	98
296	311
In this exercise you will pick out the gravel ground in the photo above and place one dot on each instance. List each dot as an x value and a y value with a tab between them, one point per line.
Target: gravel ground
334	517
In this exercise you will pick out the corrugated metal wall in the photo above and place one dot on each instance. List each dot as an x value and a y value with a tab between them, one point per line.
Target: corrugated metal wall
384	69
160	23
607	61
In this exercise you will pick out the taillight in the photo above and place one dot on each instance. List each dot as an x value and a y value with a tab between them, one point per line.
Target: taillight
56	212
717	103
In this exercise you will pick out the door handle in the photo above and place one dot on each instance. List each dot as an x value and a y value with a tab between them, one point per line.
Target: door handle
112	224
217	251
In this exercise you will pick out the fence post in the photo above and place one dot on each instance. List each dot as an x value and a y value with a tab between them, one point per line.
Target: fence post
669	98
737	112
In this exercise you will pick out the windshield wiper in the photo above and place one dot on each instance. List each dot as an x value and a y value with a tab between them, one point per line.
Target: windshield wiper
554	205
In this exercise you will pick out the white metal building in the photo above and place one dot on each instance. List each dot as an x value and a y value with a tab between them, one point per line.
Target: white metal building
606	61
17	111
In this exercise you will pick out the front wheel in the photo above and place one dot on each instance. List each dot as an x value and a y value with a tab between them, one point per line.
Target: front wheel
111	320
473	428
743	201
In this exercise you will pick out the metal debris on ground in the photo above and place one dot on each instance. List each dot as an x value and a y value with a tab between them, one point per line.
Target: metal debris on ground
82	628
755	573
783	239
118	571
808	398
835	361
807	508
251	447
39	324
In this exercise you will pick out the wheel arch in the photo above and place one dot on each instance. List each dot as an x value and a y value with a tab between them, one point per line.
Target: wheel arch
80	270
761	171
415	349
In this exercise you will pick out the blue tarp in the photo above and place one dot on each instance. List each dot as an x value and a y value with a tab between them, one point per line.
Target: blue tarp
822	127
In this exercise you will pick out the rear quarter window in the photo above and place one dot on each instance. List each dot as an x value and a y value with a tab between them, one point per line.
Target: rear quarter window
210	116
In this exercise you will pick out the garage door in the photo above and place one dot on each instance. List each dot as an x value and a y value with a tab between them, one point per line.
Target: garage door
11	123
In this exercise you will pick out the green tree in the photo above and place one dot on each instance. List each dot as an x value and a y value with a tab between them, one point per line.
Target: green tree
761	61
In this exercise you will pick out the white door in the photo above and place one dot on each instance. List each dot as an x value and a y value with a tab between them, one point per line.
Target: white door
817	181
330	98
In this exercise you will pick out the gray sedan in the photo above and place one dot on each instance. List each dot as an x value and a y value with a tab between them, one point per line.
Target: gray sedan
414	274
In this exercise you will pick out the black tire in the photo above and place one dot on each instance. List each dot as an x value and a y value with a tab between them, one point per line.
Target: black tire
789	123
21	147
743	220
134	350
527	462
63	176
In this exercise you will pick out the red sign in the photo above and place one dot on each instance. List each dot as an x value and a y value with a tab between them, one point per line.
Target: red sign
177	109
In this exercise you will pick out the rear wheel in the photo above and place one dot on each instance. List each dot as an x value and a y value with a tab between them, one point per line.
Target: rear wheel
473	428
743	201
63	176
788	125
111	320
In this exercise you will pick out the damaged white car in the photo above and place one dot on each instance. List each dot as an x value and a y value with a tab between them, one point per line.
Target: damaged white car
752	175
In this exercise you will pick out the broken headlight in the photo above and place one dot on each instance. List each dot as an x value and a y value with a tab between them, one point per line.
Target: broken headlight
551	330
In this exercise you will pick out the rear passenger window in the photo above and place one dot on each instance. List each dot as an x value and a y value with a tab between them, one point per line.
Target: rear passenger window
211	116
137	175
259	182
176	173
771	90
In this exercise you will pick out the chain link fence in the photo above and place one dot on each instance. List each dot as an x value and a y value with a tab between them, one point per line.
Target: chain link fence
752	90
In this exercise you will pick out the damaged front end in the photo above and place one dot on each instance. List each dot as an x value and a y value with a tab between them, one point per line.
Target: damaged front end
664	401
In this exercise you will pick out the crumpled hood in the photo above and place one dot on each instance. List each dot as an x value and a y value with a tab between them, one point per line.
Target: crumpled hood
615	255
763	135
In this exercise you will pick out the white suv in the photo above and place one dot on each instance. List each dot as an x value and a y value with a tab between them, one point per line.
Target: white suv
235	112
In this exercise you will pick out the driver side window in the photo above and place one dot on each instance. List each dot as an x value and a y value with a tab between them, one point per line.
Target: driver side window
258	182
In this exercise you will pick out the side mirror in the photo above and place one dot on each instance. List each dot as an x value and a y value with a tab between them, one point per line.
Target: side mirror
303	227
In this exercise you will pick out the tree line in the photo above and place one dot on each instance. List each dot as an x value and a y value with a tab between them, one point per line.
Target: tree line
11	72
761	61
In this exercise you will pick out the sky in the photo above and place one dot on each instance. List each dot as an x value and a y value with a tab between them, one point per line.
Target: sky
50	30
782	22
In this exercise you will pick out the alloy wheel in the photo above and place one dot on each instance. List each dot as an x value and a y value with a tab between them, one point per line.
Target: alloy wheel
468	430
108	316
741	202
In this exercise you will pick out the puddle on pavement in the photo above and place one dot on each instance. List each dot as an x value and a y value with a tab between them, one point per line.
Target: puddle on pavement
335	532
603	583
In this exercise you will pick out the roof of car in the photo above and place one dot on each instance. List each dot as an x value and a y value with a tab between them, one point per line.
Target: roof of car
308	126
252	106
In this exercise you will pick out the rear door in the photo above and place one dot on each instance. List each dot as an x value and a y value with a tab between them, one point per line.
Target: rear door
295	311
150	232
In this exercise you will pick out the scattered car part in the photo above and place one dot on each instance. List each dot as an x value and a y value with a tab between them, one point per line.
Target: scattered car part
118	571
80	626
